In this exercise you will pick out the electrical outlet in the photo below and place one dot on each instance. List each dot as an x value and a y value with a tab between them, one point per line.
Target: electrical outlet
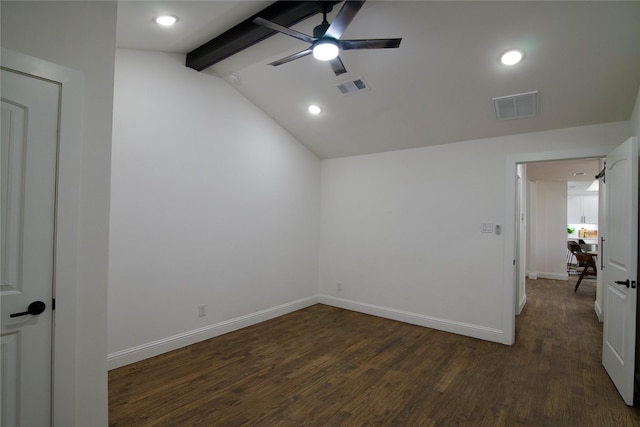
202	310
339	287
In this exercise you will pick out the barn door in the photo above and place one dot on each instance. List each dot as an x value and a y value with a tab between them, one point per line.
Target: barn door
620	256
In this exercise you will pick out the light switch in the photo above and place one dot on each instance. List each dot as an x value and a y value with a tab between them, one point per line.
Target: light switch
486	227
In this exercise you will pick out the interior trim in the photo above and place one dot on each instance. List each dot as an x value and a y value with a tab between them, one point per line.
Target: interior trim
65	356
446	325
598	310
164	345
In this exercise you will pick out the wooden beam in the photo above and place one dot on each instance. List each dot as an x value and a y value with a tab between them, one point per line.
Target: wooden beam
245	34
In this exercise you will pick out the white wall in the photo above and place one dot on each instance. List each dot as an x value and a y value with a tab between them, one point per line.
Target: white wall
551	230
635	116
532	233
522	221
401	230
602	231
78	36
212	203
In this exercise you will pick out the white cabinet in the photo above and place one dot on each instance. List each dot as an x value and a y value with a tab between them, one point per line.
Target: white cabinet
574	209
582	209
590	206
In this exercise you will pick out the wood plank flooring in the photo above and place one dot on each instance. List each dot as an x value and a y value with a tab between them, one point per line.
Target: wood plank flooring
323	366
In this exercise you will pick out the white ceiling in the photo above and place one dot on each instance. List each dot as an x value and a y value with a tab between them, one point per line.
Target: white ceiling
578	174
564	170
582	57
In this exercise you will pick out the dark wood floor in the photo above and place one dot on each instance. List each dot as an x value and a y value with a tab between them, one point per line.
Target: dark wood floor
324	366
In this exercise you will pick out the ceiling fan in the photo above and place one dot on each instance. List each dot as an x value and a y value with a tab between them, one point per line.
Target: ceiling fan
325	44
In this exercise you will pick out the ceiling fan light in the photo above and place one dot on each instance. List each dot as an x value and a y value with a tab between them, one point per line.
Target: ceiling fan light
325	50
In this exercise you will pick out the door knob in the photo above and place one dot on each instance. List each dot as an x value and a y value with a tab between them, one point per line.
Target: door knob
620	282
35	308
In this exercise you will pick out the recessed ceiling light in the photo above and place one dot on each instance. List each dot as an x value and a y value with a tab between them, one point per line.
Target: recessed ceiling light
314	109
511	57
165	20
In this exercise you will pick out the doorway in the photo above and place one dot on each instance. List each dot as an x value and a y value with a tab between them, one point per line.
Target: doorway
511	258
559	202
65	328
619	321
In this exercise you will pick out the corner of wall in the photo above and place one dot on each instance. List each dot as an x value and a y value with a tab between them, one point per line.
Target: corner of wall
461	328
521	304
598	310
145	351
635	116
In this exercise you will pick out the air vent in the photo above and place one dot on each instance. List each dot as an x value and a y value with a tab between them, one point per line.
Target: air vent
352	86
516	106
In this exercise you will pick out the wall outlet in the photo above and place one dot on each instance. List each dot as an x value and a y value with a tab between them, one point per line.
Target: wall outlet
339	287
202	310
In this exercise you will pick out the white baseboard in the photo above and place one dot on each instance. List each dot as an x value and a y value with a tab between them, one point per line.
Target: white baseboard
533	276
554	276
155	348
475	331
598	310
145	351
523	302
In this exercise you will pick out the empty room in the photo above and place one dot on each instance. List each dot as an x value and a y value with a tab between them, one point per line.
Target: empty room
242	231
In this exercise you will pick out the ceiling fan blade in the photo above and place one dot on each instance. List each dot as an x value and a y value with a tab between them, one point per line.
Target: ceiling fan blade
369	44
343	19
284	30
337	66
292	57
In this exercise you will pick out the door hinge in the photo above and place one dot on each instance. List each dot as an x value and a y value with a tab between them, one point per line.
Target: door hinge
603	173
53	304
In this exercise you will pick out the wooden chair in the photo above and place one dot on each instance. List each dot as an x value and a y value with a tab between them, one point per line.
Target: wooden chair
588	263
572	247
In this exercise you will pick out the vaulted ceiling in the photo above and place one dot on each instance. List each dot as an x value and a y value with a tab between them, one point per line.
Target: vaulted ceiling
582	57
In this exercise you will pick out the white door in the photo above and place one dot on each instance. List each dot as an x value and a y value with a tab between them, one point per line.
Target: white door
28	177
620	252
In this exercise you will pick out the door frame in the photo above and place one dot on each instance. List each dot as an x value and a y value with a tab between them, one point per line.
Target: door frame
511	253
65	269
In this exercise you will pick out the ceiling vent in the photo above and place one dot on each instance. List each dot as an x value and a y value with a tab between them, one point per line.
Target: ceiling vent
516	106
352	86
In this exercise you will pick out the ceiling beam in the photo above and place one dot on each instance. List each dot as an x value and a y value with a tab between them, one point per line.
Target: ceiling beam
245	34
